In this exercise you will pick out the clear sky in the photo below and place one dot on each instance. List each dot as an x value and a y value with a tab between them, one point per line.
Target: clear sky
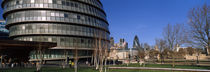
145	18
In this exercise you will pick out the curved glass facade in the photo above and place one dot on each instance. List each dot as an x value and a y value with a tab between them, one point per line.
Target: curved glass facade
70	23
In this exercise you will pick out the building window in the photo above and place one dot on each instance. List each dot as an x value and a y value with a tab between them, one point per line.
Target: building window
59	2
82	40
52	14
32	1
50	1
67	3
57	14
23	27
62	39
65	15
54	1
72	4
17	2
50	39
30	39
45	1
61	15
63	3
76	5
78	17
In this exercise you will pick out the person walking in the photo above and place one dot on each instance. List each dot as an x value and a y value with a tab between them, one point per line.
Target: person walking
70	62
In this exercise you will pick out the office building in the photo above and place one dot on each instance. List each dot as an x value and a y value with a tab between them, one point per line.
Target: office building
72	24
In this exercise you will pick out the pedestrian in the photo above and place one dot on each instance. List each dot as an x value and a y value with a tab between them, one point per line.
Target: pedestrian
70	63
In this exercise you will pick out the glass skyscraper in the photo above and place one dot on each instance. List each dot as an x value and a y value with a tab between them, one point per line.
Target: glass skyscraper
72	24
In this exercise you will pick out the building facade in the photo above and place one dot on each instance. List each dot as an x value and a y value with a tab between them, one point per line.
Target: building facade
72	24
118	51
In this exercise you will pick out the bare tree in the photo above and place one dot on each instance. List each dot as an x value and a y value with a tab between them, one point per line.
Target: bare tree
146	47
167	53
141	54
161	45
100	51
174	36
199	26
153	54
190	51
103	51
182	52
95	54
76	55
106	52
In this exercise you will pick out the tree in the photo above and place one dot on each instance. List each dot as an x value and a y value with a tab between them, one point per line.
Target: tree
76	58
182	52
146	47
141	54
174	36
161	45
153	54
199	26
100	51
190	51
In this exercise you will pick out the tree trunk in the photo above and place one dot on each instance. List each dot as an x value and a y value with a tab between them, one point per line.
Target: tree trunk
75	66
105	65
173	62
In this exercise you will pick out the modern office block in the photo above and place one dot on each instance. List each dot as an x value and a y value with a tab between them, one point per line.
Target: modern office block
72	24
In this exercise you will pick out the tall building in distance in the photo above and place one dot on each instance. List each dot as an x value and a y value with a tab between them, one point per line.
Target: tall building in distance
118	51
72	24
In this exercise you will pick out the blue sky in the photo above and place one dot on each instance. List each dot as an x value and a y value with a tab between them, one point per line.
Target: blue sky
145	18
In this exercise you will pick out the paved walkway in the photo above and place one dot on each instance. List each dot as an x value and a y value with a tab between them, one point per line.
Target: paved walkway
165	69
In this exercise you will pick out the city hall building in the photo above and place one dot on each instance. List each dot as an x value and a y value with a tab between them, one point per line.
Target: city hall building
72	24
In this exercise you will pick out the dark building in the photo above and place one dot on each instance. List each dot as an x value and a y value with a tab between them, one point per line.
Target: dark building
72	24
136	44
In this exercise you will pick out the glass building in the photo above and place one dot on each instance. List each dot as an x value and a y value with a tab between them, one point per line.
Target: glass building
72	24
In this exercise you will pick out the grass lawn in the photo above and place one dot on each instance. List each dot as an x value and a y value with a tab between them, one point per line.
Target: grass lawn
79	70
165	66
57	69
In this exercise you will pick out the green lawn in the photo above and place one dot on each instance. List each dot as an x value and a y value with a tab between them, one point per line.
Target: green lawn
79	70
57	69
166	66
